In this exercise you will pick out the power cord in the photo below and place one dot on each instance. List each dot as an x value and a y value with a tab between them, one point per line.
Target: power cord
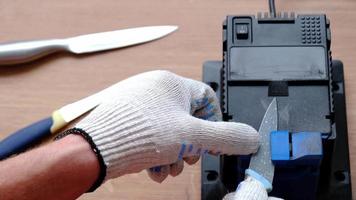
272	8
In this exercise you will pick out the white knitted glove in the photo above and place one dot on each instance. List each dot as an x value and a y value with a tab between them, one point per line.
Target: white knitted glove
152	119
250	189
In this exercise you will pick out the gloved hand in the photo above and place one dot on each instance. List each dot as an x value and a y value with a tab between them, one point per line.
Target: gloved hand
250	189
159	118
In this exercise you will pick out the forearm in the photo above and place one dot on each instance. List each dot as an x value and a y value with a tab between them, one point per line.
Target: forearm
61	170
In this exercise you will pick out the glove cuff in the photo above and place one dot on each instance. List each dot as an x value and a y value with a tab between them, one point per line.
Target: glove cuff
123	137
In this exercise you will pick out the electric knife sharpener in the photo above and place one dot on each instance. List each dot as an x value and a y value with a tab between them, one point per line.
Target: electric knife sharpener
286	56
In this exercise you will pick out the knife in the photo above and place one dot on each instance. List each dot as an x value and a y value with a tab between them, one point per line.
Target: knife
261	167
26	51
25	137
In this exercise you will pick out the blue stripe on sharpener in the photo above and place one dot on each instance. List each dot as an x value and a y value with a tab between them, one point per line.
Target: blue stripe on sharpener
22	139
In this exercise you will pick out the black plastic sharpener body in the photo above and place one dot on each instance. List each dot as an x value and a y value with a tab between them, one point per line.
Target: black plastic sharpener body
287	57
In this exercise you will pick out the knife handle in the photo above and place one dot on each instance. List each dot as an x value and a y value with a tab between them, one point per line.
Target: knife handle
25	137
22	52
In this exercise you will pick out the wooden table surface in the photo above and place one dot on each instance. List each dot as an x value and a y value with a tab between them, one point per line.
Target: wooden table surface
31	91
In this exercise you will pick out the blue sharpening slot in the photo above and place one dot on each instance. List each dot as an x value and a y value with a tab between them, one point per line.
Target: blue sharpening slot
303	148
280	145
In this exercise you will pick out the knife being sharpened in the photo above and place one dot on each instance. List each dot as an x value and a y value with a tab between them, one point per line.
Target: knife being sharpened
26	51
261	167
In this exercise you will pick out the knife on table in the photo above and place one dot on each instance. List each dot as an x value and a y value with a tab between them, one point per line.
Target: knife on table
261	167
26	51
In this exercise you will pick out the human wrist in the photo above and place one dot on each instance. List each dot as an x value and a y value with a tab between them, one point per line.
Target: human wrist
79	138
77	145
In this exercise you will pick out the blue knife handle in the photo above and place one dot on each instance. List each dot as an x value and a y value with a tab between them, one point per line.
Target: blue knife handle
22	139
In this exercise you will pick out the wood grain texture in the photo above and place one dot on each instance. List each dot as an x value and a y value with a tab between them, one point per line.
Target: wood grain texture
31	91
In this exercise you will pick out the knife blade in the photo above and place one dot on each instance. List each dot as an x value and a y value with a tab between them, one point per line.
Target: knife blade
25	137
261	167
26	51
